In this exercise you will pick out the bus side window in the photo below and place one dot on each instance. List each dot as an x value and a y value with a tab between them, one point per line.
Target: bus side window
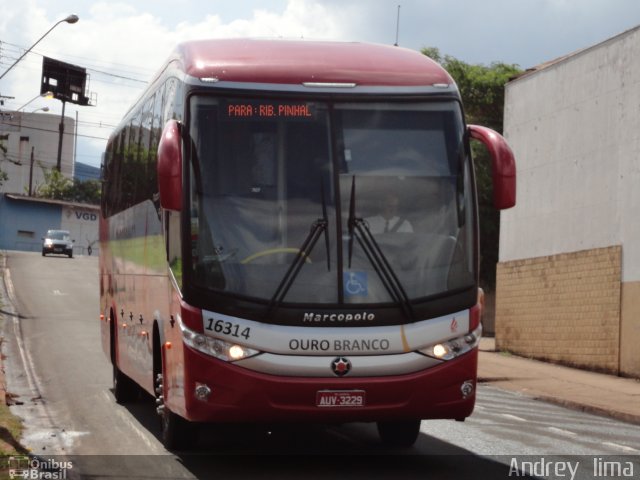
131	155
172	104
146	183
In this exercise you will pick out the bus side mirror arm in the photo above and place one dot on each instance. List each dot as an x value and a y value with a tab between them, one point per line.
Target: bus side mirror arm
170	167
503	165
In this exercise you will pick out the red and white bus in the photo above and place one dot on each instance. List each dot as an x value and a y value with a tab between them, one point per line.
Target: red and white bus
289	233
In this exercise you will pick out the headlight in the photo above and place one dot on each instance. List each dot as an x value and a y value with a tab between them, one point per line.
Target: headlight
220	349
48	242
454	348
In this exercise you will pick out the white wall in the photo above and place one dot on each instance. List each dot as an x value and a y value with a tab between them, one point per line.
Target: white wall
42	130
574	127
82	224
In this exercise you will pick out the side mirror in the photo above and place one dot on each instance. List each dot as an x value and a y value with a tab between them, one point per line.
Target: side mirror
503	165
170	167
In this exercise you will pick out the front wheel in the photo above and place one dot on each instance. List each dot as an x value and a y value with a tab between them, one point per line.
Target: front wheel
402	433
177	433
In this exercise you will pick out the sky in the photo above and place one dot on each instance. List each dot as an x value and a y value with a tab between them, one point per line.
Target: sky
123	43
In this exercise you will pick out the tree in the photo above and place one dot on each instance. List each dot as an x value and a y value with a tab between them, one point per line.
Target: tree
482	91
87	191
3	175
55	185
58	187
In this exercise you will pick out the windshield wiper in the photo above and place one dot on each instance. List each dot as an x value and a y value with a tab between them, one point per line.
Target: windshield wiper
317	228
351	221
325	219
359	229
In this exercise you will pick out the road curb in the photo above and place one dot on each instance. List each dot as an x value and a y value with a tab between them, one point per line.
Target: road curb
577	389
3	297
592	409
563	402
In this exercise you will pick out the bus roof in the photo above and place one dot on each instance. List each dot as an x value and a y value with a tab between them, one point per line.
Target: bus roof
301	61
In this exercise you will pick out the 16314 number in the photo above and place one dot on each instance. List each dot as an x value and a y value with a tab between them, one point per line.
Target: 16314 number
228	328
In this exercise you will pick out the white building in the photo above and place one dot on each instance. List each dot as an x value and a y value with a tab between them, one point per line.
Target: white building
568	286
20	134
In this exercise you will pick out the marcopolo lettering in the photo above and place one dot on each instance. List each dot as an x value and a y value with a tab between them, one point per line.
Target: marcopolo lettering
338	317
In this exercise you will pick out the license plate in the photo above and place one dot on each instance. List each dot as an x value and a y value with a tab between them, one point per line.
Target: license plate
57	250
340	398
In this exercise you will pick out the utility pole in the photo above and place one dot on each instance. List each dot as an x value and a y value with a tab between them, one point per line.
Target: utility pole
61	129
31	172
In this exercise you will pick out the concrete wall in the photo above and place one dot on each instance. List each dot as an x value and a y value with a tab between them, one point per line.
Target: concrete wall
574	126
19	132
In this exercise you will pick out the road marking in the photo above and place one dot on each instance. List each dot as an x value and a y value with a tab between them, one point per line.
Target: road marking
24	353
59	293
513	417
560	431
621	447
43	413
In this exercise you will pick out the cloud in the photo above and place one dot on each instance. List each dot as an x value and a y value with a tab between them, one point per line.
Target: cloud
132	39
115	39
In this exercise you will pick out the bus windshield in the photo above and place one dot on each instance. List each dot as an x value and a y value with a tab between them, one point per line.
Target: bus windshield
316	202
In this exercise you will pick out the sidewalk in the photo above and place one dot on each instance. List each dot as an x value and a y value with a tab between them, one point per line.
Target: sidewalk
570	387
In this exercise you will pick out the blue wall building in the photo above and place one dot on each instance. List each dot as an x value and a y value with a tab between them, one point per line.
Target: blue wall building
25	220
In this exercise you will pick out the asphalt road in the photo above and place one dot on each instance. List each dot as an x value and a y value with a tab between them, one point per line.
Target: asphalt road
57	368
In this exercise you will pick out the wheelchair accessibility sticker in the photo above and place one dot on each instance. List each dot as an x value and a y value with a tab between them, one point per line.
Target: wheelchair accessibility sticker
355	284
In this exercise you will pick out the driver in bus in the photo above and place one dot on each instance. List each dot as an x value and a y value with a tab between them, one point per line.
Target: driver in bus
388	220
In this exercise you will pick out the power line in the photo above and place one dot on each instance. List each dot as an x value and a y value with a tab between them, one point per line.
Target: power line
110	74
89	69
52	131
132	68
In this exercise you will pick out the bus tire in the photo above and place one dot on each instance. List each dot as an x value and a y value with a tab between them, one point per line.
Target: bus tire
124	389
176	432
399	433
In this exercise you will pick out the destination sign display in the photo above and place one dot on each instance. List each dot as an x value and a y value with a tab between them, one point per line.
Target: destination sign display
268	110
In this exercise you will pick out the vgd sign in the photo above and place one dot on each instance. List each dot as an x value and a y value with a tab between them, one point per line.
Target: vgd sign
87	216
81	215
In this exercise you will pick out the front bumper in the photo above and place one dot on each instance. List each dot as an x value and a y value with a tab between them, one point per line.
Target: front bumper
242	395
57	249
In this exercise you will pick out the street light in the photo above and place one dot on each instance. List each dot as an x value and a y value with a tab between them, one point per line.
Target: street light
43	95
70	19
